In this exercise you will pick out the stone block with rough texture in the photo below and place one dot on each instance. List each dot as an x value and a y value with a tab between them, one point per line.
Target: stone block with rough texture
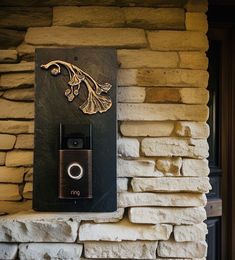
15	80
9	192
29	175
140	128
12	174
128	147
172	78
169	166
177	40
26	94
171	146
88	16
183	249
158	112
155	18
147	59
120	250
24	17
12	207
10	38
24	141
2	158
122	184
193	60
192	129
28	190
131	94
196	6
190	233
162	95
194	96
132	168
8	251
49	251
84	37
7	141
16	109
194	167
176	216
16	127
27	229
138	199
19	158
171	184
8	56
196	22
123	230
18	67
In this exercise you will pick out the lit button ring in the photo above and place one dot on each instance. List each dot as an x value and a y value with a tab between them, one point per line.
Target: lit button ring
75	177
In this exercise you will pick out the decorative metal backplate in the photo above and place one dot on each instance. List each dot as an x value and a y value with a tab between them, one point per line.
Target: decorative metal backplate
96	100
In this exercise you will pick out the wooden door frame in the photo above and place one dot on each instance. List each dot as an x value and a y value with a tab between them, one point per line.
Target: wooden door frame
227	137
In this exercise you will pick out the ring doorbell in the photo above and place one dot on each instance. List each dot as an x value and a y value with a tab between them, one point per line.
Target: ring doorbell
75	162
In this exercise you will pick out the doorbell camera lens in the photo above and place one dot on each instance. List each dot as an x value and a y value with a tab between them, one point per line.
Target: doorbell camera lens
75	143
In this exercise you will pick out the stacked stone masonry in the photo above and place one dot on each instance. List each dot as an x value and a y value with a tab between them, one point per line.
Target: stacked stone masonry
162	146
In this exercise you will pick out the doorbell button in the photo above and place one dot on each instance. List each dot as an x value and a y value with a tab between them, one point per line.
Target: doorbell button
79	171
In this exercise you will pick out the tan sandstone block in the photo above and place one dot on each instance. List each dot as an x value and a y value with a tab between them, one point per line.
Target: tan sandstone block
8	56
28	190
169	166
162	95
183	249
140	128
2	158
131	94
28	175
50	250
60	35
7	142
197	6
172	146
155	18
12	207
193	167
139	199
177	40
18	67
192	129
194	96
132	168
25	141
147	59
121	250
16	109
123	230
12	174
16	127
176	216
190	233
19	158
193	60
196	22
26	94
128	147
171	184
9	192
14	80
161	112
88	16
172	78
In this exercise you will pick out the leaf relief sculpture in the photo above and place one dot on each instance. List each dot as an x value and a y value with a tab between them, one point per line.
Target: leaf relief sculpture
95	101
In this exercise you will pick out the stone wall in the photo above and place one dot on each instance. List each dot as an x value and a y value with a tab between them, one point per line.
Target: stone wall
162	147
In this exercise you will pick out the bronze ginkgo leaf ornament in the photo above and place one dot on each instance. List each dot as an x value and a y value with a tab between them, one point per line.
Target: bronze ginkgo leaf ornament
95	101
